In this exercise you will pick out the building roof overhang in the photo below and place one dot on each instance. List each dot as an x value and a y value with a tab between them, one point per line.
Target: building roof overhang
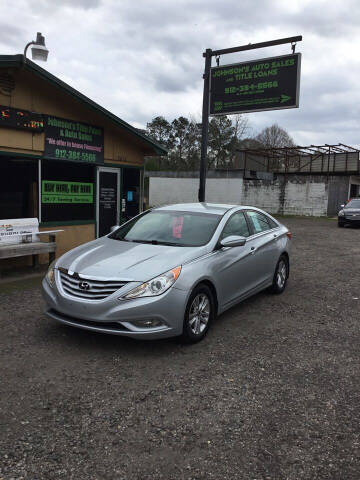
19	61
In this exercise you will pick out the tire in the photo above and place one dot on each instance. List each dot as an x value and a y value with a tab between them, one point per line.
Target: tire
341	225
195	328
281	275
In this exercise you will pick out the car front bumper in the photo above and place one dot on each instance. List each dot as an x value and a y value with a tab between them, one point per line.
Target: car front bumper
350	220
114	316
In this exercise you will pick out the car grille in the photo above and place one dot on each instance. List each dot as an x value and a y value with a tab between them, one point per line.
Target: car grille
88	288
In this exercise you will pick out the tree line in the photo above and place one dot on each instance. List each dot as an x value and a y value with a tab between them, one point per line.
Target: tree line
182	138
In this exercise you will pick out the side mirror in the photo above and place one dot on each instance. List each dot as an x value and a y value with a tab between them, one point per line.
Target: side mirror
113	228
233	241
342	205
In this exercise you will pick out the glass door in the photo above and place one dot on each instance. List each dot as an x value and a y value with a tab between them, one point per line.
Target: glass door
108	199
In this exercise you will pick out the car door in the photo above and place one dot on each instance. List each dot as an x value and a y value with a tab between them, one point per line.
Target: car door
233	267
264	245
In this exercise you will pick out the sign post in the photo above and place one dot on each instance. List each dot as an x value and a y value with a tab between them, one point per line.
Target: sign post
205	124
258	85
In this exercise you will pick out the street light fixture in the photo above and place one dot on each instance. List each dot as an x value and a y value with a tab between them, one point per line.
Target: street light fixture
38	50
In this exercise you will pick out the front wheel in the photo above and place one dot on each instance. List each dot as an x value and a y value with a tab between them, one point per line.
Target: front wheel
281	275
199	313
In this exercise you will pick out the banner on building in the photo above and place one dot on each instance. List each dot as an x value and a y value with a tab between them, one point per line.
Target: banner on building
72	140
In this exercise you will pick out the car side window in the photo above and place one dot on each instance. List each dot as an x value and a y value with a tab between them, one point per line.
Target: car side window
272	223
259	222
236	225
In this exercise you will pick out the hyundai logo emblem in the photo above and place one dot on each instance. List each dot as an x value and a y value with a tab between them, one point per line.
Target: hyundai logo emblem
84	286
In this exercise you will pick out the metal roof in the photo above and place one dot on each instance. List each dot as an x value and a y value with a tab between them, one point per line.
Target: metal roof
303	159
299	150
19	61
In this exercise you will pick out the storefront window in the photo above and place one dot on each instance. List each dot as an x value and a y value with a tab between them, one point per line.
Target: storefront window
67	192
18	188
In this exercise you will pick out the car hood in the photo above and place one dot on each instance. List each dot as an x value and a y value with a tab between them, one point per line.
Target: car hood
351	210
106	258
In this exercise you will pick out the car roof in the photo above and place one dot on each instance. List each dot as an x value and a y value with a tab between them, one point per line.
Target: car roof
200	207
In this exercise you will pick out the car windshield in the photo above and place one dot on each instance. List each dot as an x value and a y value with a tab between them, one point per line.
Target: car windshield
355	203
176	228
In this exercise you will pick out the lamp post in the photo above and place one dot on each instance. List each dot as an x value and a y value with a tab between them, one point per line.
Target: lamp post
38	50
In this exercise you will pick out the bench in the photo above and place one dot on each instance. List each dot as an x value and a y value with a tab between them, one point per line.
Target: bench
21	236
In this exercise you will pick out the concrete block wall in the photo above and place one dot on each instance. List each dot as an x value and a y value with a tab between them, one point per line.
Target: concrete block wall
262	194
163	191
297	195
305	199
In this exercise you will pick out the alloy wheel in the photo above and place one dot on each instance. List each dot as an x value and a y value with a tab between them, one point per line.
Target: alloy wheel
199	314
281	274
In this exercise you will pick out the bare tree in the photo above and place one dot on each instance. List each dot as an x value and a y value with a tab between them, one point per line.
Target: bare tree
241	128
274	136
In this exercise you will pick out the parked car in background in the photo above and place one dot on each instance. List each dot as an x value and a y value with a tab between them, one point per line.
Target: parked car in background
349	213
169	271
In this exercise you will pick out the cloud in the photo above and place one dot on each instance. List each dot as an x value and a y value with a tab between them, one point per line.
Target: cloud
142	59
9	34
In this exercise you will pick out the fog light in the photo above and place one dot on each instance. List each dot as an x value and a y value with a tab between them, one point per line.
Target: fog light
148	323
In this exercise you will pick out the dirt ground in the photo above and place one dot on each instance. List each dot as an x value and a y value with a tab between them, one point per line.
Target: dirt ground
273	392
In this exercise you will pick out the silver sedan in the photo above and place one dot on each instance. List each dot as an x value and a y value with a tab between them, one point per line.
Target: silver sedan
169	271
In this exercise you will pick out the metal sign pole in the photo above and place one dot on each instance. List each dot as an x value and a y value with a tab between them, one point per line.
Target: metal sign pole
205	124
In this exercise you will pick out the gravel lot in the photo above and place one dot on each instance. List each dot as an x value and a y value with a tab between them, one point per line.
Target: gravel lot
273	392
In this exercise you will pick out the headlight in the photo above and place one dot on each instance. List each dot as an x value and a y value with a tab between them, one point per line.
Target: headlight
51	273
341	213
156	286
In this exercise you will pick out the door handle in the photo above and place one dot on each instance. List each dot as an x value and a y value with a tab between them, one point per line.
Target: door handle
252	250
275	235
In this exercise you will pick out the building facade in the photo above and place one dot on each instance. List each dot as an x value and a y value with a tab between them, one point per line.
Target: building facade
63	158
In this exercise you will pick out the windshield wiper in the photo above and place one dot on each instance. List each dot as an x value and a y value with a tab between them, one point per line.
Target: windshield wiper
158	242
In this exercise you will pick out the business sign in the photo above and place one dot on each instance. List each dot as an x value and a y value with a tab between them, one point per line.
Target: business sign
74	141
266	84
21	119
19	230
66	192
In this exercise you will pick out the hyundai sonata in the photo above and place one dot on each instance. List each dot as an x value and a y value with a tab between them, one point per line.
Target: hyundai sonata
169	271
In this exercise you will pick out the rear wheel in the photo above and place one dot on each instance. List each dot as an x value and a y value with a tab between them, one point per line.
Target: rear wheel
281	275
199	313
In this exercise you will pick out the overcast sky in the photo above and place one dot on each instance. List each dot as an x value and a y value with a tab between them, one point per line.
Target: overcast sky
143	58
